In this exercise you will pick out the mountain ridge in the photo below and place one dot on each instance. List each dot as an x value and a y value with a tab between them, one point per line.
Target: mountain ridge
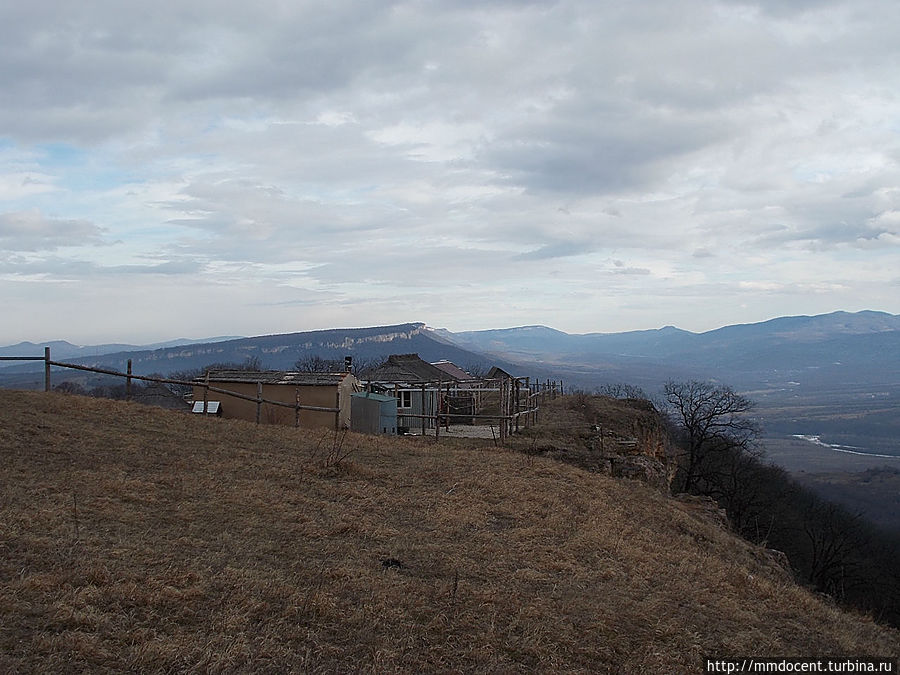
837	322
281	351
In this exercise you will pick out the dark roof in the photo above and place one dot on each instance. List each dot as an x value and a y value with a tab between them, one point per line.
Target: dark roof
276	377
496	373
452	369
408	368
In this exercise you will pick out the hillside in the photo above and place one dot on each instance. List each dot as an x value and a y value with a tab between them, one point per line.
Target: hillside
137	539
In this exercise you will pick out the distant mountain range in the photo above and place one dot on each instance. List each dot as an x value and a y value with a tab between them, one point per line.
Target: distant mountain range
855	347
60	349
850	348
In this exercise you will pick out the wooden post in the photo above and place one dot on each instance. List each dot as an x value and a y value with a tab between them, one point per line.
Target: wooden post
258	401
439	409
504	393
517	404
46	368
337	404
530	403
297	409
447	407
510	411
206	394
423	409
128	382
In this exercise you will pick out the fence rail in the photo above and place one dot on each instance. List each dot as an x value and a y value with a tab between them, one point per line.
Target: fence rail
129	376
518	400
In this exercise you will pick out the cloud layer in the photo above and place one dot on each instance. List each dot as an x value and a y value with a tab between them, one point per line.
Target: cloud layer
211	168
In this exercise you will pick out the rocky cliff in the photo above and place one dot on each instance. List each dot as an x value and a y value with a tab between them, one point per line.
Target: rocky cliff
626	438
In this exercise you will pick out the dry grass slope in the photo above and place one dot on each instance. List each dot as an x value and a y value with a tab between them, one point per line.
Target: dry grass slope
135	539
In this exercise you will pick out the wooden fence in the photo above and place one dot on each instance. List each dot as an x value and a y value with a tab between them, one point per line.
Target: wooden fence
207	388
519	397
519	401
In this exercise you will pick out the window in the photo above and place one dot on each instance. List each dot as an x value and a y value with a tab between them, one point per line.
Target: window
404	399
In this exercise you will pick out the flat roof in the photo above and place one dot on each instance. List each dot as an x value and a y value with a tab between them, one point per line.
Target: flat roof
375	397
275	377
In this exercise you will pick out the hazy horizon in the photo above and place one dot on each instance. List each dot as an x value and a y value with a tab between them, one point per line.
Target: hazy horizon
428	325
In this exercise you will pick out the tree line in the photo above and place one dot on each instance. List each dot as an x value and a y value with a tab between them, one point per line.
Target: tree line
831	549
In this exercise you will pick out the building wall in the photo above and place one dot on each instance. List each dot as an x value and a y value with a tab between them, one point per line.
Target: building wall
415	423
375	415
325	396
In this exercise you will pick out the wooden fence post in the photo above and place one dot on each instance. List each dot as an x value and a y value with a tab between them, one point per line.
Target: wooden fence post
258	401
337	415
504	394
297	409
423	409
511	410
530	404
517	404
128	382
447	407
439	408
206	394
46	368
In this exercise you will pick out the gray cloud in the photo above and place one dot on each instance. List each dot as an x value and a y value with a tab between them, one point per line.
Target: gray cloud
556	250
32	231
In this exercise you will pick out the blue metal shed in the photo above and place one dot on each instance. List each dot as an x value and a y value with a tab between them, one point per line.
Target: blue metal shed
373	413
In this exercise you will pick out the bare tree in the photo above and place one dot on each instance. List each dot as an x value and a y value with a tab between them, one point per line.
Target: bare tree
833	537
313	363
622	390
364	366
712	420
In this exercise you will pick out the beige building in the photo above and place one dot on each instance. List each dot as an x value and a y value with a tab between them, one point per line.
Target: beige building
322	390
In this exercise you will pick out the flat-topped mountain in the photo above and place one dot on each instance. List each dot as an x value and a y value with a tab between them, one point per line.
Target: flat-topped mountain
282	351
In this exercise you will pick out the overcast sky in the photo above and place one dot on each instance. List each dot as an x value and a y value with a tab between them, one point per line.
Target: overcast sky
207	167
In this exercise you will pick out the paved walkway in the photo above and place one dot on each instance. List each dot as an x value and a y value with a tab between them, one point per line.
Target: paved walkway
470	431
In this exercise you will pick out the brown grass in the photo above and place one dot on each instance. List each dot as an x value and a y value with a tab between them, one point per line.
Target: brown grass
136	539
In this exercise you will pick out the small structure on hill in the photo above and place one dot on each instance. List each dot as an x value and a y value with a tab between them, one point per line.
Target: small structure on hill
373	413
497	373
323	390
452	370
409	368
421	389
